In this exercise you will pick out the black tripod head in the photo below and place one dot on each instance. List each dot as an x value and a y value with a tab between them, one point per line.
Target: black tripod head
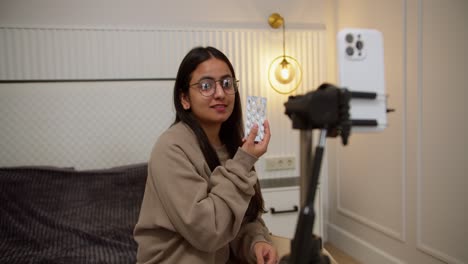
326	107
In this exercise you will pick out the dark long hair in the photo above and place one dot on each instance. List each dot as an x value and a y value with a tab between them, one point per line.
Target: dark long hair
232	130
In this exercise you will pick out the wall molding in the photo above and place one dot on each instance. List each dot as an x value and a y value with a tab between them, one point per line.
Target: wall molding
199	27
399	235
394	234
420	245
372	224
358	248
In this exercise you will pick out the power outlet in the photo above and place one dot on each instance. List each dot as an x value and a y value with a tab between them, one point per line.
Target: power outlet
280	163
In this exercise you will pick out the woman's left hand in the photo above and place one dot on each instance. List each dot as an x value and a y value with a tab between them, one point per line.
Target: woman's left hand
265	253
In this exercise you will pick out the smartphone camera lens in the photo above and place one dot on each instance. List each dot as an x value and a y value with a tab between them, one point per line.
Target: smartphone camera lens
349	51
359	45
349	38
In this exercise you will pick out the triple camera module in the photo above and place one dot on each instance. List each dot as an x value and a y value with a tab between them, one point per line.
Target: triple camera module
355	46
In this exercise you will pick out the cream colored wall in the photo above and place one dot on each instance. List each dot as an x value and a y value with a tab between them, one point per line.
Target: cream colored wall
151	13
398	196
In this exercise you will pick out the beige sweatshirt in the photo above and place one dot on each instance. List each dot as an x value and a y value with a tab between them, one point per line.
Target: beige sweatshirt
190	214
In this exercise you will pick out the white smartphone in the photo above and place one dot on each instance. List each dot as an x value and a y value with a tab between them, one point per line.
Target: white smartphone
361	70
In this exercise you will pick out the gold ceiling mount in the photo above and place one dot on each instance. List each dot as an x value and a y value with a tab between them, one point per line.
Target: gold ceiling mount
275	20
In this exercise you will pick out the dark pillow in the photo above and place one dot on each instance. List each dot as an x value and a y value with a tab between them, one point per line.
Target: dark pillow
61	215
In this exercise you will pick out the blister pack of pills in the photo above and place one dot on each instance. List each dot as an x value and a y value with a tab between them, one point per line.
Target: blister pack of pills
256	113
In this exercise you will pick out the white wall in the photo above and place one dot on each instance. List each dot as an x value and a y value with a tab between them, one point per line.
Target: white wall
167	13
400	196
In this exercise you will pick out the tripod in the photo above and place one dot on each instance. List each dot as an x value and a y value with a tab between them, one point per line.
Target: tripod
327	108
305	247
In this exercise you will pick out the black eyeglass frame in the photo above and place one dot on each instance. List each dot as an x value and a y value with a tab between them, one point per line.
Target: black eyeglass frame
235	86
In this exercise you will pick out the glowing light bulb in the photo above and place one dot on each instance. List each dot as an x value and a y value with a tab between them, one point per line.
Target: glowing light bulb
284	72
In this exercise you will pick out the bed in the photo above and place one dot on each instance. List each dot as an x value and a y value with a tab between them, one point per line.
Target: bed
64	215
73	167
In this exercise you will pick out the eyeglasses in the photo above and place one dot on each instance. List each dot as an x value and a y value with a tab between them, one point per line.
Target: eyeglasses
207	87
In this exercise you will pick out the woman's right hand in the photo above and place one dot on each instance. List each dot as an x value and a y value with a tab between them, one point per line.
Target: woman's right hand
257	149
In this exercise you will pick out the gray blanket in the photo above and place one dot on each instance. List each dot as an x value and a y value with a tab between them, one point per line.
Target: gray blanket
60	215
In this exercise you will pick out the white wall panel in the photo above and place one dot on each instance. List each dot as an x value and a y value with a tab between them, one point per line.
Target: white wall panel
443	148
113	54
399	196
371	172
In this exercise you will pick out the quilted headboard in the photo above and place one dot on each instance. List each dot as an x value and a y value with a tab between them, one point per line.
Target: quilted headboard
82	125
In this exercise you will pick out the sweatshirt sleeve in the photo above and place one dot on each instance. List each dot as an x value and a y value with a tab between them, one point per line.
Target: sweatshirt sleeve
206	211
249	234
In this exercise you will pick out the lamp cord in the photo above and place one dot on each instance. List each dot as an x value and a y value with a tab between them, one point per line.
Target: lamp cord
284	39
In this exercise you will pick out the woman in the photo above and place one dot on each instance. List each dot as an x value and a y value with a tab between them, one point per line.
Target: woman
202	201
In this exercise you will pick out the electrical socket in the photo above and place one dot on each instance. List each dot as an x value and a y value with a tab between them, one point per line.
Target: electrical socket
280	163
